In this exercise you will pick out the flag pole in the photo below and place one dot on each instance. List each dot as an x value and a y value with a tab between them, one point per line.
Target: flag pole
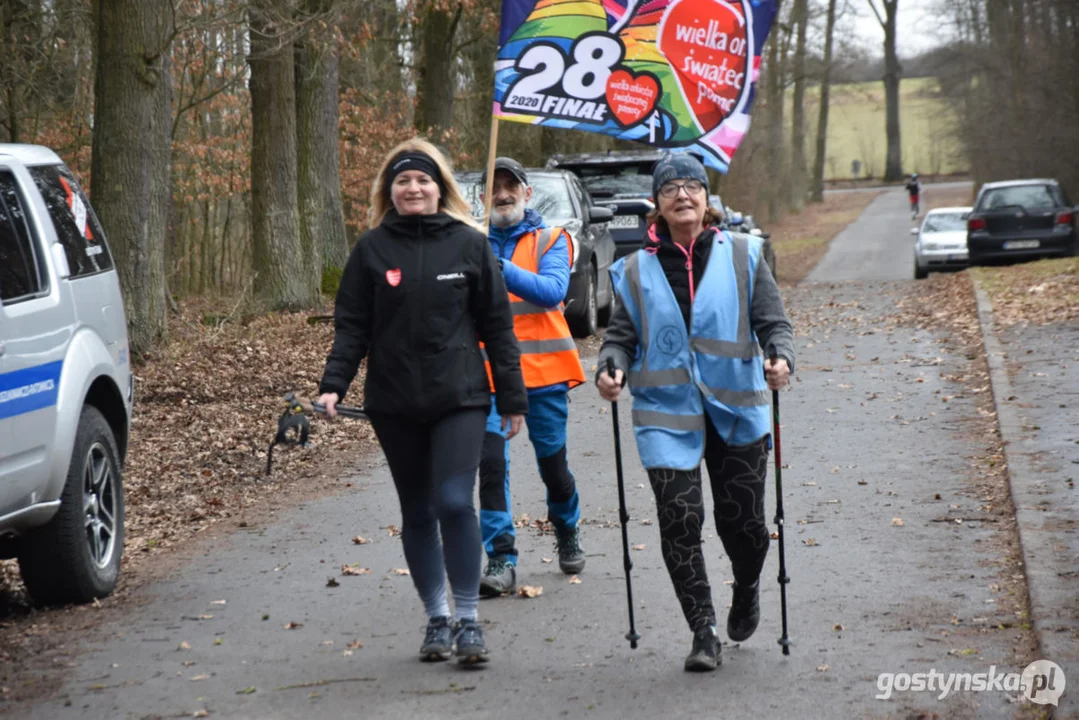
492	153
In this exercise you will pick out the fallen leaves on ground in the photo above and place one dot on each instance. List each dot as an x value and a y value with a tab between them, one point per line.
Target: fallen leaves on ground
640	546
354	645
810	542
401	571
574	580
529	591
897	522
1042	292
360	540
293	625
354	570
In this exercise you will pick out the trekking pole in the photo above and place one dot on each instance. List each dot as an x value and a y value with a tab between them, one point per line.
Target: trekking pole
785	640
632	635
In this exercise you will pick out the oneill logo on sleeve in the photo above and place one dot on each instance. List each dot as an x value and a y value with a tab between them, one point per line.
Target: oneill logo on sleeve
451	276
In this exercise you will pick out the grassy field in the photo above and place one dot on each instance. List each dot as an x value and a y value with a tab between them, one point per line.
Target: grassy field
856	129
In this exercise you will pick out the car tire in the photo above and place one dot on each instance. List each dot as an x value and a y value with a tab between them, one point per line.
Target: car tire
75	557
585	323
919	274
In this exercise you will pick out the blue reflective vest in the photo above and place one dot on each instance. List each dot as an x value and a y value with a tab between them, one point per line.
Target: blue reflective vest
717	367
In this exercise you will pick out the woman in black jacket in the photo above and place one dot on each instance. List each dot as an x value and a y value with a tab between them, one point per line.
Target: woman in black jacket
420	291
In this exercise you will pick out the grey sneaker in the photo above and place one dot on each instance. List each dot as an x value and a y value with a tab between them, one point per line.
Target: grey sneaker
438	642
471	649
570	553
499	578
704	657
745	612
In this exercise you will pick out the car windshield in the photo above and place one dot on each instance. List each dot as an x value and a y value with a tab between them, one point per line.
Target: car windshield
550	196
945	222
617	181
1028	197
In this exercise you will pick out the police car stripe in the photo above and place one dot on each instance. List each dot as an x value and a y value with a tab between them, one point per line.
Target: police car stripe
29	389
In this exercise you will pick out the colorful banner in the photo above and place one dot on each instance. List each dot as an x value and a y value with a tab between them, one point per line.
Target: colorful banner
670	73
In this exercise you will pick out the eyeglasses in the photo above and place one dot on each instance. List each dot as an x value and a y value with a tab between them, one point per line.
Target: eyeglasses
692	187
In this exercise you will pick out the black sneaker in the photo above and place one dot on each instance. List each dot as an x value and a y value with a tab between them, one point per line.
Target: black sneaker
570	554
745	612
704	657
438	642
499	578
471	648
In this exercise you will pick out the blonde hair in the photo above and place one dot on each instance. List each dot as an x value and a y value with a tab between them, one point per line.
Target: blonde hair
712	216
452	201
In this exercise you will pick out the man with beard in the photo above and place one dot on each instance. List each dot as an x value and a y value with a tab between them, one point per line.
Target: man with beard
535	261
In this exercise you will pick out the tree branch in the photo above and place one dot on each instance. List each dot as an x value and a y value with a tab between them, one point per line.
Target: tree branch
873	7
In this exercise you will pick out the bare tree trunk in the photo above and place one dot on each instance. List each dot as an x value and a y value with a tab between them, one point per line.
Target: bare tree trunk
893	166
435	86
276	256
825	101
131	155
800	16
774	95
322	222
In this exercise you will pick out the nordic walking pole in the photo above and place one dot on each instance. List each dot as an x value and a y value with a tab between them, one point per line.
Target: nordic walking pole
632	635
785	640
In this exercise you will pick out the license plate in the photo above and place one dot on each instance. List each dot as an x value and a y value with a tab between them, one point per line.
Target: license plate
1022	244
625	221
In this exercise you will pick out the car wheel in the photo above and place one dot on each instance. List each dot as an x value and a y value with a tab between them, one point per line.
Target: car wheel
919	274
76	556
586	322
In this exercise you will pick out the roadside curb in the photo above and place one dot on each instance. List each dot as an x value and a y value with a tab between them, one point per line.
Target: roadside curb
1044	584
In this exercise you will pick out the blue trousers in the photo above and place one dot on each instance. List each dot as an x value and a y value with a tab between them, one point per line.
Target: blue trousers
548	412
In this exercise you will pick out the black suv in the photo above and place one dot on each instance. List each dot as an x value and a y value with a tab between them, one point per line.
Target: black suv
1021	219
621	181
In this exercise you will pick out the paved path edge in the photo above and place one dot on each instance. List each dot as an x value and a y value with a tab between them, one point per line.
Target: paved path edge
1040	574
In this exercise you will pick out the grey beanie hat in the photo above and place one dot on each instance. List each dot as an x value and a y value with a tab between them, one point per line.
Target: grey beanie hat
675	166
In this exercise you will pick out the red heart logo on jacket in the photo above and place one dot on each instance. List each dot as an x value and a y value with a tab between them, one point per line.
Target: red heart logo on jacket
393	277
632	96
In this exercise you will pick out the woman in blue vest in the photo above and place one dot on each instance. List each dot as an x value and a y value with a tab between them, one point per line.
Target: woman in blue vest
696	307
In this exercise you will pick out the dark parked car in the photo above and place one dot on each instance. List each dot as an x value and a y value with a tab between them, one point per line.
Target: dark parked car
560	198
1021	219
621	181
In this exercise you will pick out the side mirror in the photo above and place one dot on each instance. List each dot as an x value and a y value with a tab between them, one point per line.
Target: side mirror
600	215
914	231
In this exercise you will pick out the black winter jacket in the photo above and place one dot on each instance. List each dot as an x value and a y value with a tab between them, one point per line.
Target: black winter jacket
417	296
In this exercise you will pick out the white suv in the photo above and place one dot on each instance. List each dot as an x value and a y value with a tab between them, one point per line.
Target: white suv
65	383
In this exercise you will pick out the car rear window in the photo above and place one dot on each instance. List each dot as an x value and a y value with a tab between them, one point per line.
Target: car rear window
1028	197
76	225
945	222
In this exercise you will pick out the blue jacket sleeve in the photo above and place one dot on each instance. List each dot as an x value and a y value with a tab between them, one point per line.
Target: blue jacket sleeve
548	287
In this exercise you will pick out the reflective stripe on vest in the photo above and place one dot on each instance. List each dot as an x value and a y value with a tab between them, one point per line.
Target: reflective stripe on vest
548	353
678	376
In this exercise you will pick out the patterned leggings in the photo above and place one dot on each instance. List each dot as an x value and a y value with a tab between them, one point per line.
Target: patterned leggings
737	474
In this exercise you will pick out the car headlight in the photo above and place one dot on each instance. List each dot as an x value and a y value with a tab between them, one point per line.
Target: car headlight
930	246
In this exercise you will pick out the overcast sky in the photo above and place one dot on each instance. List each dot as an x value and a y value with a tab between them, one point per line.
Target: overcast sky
917	27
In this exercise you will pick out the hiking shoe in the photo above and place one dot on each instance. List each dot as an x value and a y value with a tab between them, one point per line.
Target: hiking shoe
745	612
704	657
471	648
499	578
438	642
570	554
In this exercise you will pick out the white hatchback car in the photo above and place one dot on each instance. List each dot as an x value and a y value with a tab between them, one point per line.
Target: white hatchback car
942	241
65	383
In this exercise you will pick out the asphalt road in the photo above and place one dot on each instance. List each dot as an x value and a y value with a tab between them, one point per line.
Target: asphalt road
866	445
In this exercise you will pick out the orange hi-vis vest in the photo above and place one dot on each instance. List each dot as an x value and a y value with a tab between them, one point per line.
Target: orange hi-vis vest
548	353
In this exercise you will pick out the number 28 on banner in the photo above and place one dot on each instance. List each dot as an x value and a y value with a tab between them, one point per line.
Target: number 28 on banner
584	85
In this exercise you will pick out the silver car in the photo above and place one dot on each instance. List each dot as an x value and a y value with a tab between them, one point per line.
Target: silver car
942	241
65	383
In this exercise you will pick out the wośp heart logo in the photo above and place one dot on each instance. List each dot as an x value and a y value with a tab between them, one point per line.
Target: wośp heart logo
706	43
632	96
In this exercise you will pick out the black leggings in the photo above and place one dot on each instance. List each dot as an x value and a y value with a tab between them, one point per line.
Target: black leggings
737	474
434	468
